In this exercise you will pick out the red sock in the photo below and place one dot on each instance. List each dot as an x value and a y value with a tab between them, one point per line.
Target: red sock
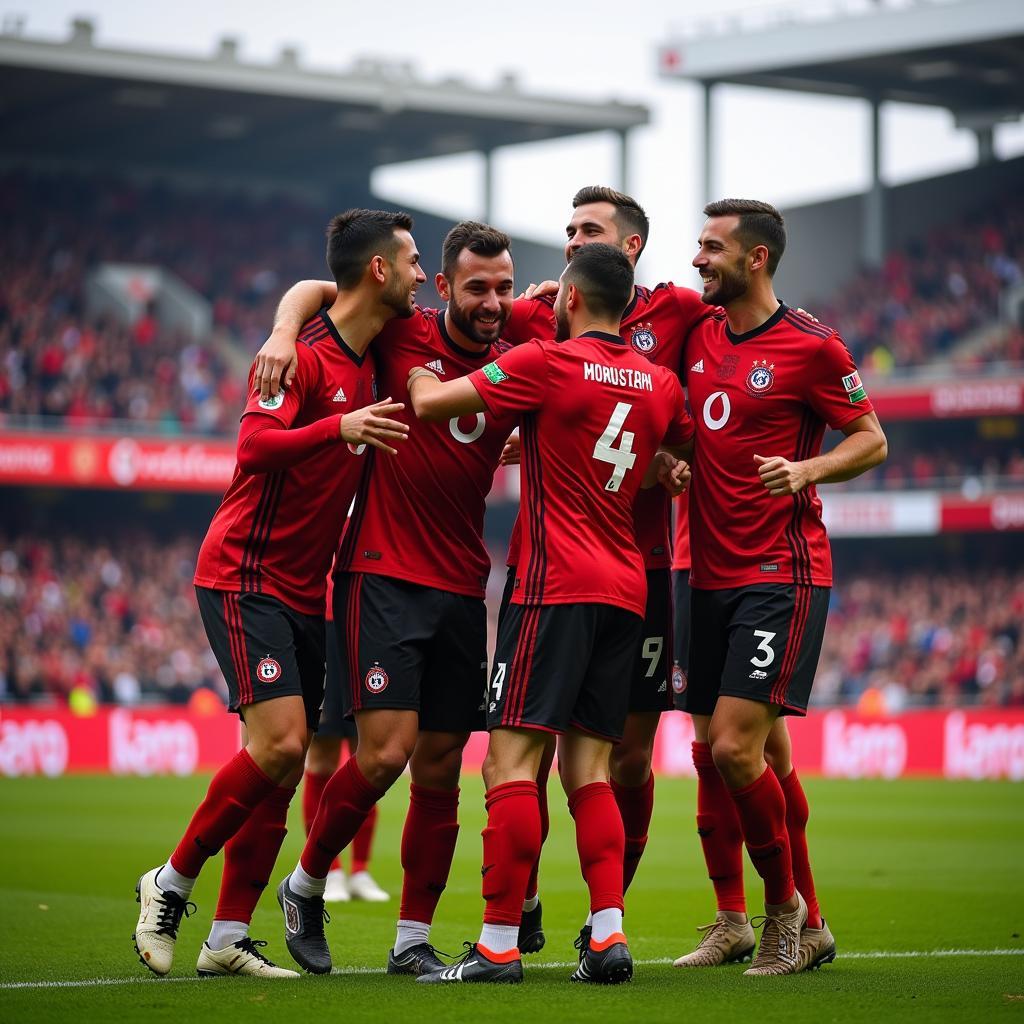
721	836
234	793
797	813
600	842
636	805
363	842
511	848
762	813
250	855
312	789
347	800
428	846
545	826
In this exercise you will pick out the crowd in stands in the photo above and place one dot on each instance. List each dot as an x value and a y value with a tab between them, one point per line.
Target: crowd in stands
927	296
58	361
119	618
937	637
981	468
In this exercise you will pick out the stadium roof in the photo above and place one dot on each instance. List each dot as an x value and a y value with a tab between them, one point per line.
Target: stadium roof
74	101
964	55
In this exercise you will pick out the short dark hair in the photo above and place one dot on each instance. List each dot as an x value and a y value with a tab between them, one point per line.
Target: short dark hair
629	214
478	238
604	276
760	224
356	236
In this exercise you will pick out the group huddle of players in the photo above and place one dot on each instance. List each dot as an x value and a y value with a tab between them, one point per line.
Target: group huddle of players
581	384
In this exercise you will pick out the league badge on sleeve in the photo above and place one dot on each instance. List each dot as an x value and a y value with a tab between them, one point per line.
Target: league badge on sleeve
494	373
273	401
854	388
761	377
643	339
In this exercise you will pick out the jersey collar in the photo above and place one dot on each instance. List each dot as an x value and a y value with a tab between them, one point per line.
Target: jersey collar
339	340
738	339
613	339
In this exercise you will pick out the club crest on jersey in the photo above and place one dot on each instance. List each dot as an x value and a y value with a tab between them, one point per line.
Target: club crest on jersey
678	679
643	339
268	670
377	679
761	377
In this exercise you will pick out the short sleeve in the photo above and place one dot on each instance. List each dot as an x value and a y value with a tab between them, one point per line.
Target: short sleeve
834	387
530	318
515	382
285	405
680	427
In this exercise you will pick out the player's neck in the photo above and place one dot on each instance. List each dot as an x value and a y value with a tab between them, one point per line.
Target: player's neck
748	312
358	321
587	324
460	339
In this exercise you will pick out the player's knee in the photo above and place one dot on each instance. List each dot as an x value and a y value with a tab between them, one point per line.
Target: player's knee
736	761
440	771
630	767
281	755
384	763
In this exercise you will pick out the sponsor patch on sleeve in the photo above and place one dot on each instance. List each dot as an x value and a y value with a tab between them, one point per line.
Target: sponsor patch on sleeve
854	388
494	373
272	401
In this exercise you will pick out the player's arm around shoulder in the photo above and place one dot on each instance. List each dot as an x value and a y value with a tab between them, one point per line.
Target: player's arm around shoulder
433	399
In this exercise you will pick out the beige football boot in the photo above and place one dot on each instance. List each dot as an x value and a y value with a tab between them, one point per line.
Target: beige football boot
239	958
361	886
159	918
817	947
779	952
723	942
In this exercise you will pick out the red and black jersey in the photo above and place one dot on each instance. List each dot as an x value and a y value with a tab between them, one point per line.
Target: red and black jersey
681	532
275	533
420	516
655	324
768	392
593	413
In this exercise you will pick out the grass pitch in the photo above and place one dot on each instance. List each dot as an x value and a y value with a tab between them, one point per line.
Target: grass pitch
921	882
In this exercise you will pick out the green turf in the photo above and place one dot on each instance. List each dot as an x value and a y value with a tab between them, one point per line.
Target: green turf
901	866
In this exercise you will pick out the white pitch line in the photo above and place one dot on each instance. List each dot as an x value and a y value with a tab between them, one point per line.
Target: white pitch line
346	971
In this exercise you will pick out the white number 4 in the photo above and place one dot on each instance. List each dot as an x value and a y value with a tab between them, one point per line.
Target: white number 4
764	645
499	678
622	458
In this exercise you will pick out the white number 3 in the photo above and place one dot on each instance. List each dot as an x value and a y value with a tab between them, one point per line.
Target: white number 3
622	458
764	645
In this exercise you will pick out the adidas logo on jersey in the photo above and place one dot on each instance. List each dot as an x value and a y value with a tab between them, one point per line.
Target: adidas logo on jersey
435	365
698	367
340	396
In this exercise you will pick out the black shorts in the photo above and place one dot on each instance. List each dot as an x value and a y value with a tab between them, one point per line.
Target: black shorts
409	647
564	665
265	649
333	723
650	688
759	642
681	646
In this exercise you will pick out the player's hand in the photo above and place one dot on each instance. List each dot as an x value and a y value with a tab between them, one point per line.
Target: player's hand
535	291
676	479
512	453
370	425
781	476
275	362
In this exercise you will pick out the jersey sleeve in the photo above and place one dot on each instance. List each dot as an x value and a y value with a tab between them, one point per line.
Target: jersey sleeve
680	426
515	381
285	405
834	388
531	318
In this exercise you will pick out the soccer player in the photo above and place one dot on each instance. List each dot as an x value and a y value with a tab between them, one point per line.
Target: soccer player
763	383
260	582
655	324
409	606
333	734
593	414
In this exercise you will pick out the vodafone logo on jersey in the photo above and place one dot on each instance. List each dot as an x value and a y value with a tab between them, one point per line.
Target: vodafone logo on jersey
376	679
268	670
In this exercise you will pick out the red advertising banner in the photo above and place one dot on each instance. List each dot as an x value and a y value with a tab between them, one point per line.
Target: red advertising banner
960	744
120	463
951	399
